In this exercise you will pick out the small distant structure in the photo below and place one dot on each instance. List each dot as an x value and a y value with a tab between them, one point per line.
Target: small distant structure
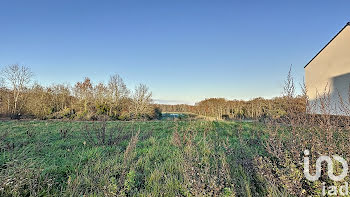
327	77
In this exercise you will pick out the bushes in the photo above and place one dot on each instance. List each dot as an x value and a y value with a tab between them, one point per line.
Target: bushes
102	113
66	113
124	116
157	113
102	109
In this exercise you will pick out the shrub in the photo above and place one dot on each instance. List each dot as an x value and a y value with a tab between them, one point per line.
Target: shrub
102	109
124	116
84	115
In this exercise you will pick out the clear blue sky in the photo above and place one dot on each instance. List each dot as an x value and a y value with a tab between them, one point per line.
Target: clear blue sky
184	51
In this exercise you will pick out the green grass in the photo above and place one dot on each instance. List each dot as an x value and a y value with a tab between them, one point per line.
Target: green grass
158	158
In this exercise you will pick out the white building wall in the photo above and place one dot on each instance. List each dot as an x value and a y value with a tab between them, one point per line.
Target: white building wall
328	76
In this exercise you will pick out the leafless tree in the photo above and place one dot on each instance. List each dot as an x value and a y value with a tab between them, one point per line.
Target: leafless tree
289	86
84	92
117	87
17	78
61	94
142	99
100	93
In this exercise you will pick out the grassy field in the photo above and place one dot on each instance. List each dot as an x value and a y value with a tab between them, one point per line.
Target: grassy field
170	158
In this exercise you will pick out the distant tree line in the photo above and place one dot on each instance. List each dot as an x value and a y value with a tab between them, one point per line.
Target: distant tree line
83	101
258	108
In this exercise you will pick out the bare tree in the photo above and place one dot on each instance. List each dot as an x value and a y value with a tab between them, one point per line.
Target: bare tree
142	99
289	86
118	94
117	87
305	97
84	92
100	93
62	95
17	78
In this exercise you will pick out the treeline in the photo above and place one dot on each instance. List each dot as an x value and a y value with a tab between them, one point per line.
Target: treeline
82	101
257	108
